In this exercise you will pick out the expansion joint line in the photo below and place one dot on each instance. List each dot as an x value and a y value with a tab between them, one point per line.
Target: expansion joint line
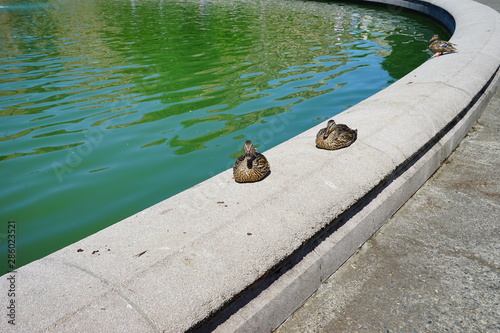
120	293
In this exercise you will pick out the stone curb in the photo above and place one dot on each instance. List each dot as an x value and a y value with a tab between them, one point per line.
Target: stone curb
242	257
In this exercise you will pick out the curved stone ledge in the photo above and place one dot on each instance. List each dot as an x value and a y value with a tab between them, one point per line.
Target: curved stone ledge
241	257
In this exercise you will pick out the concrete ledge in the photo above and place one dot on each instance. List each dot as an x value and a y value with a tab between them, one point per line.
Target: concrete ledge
241	257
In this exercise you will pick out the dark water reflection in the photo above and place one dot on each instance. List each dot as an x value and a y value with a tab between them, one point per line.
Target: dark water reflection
109	106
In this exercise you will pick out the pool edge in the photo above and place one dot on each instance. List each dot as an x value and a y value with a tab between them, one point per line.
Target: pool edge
289	278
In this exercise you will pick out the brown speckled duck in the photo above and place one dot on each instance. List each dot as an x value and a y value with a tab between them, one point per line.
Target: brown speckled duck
252	166
440	46
335	136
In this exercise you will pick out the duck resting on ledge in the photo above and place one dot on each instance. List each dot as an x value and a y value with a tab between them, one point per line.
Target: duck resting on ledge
335	136
252	166
440	46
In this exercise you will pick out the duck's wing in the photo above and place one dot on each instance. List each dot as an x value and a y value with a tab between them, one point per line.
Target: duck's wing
347	137
238	162
261	164
342	128
447	45
444	46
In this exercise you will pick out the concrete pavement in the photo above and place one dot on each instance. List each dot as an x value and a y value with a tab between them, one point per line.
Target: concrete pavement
435	266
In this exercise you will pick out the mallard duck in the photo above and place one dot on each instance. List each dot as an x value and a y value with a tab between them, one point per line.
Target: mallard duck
440	46
252	166
335	136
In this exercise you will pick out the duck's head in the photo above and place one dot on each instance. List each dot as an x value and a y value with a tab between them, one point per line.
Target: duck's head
249	149
329	128
435	37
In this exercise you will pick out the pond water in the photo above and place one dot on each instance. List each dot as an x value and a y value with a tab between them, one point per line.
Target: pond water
110	106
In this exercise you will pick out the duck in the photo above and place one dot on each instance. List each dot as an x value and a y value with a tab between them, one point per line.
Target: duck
251	166
335	136
440	46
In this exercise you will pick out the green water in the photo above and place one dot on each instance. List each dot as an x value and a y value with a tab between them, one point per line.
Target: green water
110	106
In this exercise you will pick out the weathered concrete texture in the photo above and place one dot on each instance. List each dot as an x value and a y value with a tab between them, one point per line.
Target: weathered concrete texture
328	251
435	266
242	257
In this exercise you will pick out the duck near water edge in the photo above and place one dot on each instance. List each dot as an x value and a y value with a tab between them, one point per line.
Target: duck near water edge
438	47
335	136
251	166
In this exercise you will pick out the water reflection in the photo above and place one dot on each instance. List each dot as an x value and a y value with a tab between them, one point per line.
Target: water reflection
101	98
171	58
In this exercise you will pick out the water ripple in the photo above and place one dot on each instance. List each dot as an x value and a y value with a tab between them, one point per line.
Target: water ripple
109	106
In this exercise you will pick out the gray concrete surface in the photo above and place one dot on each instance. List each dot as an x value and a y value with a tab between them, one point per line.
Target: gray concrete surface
241	257
435	266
